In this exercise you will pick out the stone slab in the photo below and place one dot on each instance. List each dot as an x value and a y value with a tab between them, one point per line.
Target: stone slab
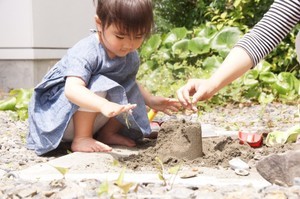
100	166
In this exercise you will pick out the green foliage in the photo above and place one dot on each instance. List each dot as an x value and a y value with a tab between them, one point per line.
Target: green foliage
108	189
125	186
192	13
284	56
243	14
170	59
168	182
181	54
62	170
17	101
238	13
174	13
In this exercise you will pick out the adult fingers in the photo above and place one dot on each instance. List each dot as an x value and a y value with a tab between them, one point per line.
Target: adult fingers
183	95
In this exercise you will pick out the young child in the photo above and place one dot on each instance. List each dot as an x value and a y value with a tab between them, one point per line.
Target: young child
92	91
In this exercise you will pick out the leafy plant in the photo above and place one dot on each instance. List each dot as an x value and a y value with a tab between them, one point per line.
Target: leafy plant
106	189
17	101
192	13
62	170
121	184
162	174
170	59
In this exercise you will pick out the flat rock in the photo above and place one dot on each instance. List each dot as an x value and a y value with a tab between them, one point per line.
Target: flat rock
280	169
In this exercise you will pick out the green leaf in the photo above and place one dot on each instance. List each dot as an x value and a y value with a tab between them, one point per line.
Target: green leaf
8	104
161	177
104	188
223	15
151	46
120	182
225	40
237	3
120	179
181	48
115	163
212	63
158	160
175	35
268	77
207	31
199	45
126	187
175	169
23	97
62	170
293	133
297	85
148	65
263	66
252	92
250	78
284	83
163	54
265	99
22	114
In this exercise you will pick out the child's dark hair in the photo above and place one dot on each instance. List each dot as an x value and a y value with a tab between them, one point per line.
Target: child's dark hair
131	16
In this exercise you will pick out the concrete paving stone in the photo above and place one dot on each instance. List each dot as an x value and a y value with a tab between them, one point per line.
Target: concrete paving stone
2	173
99	166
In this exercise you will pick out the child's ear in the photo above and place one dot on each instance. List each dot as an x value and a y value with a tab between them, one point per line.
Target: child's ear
98	23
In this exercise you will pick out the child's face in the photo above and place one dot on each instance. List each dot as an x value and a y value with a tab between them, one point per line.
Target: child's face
118	43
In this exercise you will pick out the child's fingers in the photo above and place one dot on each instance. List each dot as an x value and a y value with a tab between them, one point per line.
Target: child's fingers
126	108
130	106
174	109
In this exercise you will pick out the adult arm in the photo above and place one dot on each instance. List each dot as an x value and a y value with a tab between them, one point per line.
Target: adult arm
282	16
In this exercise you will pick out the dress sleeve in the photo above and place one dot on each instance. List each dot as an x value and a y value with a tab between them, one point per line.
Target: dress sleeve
282	16
82	60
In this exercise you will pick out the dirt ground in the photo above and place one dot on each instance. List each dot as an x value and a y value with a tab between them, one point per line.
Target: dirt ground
180	142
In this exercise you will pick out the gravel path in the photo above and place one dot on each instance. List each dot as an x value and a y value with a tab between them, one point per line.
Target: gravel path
14	156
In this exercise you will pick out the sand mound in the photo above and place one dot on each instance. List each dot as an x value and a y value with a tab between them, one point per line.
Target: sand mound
180	142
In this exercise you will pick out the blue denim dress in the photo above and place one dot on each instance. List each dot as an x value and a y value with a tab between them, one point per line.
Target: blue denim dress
50	111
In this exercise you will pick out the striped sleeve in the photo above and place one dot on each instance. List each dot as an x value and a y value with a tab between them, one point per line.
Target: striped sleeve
282	16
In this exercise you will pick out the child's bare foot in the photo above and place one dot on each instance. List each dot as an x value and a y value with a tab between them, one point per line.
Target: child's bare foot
116	139
87	144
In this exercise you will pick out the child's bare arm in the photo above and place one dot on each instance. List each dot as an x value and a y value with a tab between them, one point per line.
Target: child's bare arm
77	93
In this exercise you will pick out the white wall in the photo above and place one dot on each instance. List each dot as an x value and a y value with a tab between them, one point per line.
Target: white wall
61	23
16	24
35	34
42	29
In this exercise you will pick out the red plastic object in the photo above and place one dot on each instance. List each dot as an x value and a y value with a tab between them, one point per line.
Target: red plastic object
253	139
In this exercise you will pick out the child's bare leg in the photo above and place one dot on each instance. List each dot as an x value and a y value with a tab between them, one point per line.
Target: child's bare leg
83	134
109	134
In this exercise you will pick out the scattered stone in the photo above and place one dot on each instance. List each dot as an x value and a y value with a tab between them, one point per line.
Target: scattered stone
181	193
29	192
238	164
15	156
280	169
188	174
242	172
2	173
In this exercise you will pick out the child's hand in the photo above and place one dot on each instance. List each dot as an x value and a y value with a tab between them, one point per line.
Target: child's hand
112	109
166	105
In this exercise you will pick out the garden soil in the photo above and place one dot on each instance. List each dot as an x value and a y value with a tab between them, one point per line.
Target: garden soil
180	142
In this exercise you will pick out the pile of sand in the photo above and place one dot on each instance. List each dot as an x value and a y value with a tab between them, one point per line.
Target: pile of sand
181	142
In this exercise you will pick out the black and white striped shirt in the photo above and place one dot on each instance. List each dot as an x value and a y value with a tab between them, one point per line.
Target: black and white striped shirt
282	16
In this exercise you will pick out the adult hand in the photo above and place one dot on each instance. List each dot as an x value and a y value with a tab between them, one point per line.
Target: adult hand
199	89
